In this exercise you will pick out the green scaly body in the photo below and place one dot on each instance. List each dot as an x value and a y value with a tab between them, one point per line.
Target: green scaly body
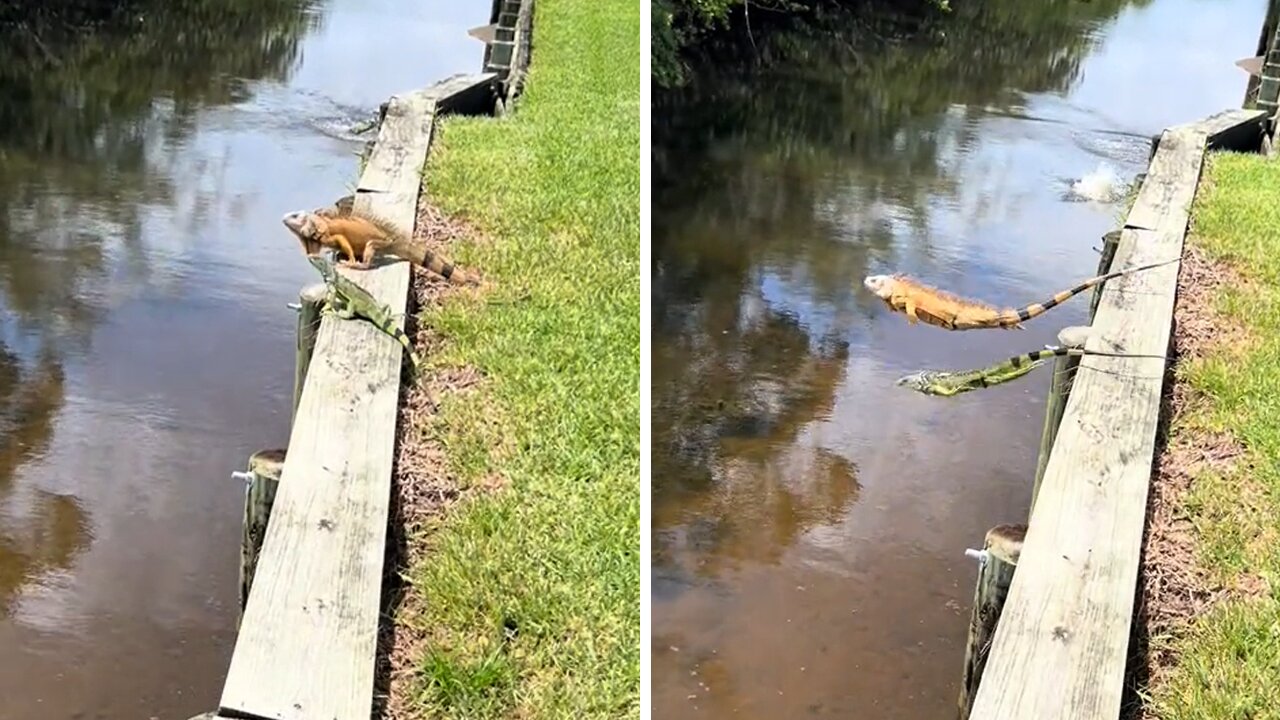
946	384
348	300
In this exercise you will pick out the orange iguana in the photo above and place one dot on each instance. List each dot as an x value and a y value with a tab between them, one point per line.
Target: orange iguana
940	308
359	236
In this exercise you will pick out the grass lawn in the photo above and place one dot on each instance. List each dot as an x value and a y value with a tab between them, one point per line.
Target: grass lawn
532	592
1228	663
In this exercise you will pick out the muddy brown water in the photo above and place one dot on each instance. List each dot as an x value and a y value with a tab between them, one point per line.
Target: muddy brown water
809	517
145	346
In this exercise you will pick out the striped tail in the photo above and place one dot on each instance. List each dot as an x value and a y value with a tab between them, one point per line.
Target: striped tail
1036	356
394	331
439	265
1012	318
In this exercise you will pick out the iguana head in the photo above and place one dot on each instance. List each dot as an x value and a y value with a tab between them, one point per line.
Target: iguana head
932	382
308	227
319	262
881	285
916	380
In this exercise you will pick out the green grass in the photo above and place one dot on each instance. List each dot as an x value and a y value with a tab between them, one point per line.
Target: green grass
1229	663
532	593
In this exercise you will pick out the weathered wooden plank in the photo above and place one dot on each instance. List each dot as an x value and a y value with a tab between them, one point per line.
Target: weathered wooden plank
1239	130
307	641
1165	197
1060	648
391	179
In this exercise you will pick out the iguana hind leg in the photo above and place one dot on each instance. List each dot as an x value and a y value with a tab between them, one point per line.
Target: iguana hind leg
370	248
344	246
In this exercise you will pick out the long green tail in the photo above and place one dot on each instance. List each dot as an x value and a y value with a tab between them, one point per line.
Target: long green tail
394	331
949	383
350	300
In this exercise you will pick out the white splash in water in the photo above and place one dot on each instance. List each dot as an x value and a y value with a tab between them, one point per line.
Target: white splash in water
1101	185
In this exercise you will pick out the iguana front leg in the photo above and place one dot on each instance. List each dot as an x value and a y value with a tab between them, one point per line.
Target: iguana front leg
340	307
909	307
344	245
341	311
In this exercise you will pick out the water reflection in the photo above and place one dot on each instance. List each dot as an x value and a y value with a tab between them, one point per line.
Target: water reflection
145	345
84	127
809	519
45	531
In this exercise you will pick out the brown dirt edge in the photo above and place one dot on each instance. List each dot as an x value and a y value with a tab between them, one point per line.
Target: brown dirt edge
423	487
1172	587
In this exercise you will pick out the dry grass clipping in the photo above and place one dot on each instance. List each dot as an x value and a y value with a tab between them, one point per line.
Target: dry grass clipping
1173	587
423	487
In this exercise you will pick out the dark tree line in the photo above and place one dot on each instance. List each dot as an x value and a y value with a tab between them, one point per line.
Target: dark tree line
688	32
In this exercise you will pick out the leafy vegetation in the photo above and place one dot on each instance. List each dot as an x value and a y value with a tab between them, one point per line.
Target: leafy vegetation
724	29
532	593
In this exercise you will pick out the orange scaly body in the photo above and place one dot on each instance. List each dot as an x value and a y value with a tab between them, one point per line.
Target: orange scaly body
359	237
936	307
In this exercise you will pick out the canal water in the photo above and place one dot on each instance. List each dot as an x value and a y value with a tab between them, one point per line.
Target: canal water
145	344
810	518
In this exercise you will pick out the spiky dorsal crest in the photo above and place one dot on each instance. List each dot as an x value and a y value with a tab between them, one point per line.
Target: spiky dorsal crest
387	227
915	286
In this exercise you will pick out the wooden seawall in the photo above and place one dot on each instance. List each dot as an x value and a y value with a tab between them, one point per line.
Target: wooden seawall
307	642
1061	644
309	631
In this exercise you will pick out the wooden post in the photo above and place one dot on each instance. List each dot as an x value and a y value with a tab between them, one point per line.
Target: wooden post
1264	44
1269	84
310	298
1109	242
263	479
996	563
1059	389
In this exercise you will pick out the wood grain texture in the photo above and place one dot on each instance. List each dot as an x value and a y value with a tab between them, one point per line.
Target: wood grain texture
1166	193
306	645
1060	649
309	631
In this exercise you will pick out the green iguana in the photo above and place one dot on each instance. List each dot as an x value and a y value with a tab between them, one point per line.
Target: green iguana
348	300
946	384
